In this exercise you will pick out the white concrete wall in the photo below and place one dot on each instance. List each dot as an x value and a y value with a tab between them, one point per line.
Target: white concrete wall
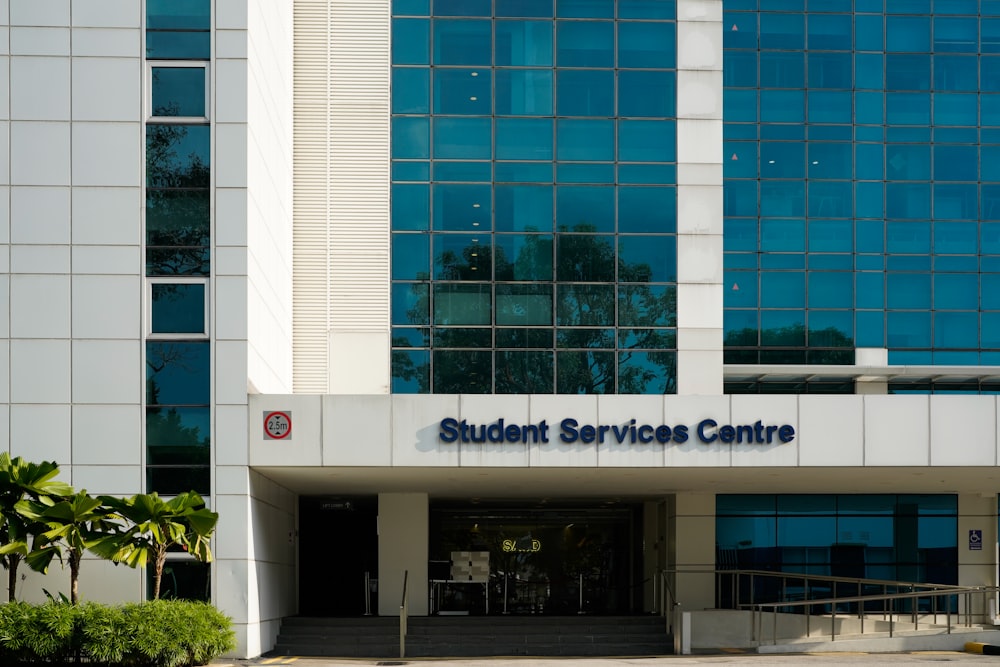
71	270
699	197
254	573
402	547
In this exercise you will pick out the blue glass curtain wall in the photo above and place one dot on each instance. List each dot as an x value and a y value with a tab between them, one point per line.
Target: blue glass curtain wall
862	200
177	234
533	196
906	538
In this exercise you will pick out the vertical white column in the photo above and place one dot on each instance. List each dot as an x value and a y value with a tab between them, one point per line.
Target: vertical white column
693	545
699	197
977	566
403	525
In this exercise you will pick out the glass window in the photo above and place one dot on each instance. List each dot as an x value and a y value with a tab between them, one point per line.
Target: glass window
646	9
462	138
523	8
172	480
411	137
523	208
580	304
524	43
462	7
410	257
647	259
523	257
647	209
647	372
519	372
586	92
828	289
182	580
177	156
410	90
178	435
178	218
585	44
411	39
829	32
410	303
647	306
646	94
178	91
462	257
178	308
461	304
462	92
782	31
524	139
523	92
524	305
585	139
177	373
646	45
908	33
462	372
462	42
411	205
585	372
589	9
647	141
462	208
585	209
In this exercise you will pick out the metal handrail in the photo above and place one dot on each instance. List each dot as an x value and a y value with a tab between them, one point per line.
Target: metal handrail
403	613
966	593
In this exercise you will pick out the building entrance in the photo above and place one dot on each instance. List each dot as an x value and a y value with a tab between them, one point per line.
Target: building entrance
500	559
338	545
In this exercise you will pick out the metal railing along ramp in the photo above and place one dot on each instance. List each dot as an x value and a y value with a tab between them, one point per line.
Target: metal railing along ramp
776	612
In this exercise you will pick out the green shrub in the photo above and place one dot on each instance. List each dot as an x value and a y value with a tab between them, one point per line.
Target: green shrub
160	633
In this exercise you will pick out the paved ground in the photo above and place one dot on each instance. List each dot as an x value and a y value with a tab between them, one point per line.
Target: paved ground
666	661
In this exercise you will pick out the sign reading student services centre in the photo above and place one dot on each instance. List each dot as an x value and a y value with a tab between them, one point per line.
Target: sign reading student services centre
569	431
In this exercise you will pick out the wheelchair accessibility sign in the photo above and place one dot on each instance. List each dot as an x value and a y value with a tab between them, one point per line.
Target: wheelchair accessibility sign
975	540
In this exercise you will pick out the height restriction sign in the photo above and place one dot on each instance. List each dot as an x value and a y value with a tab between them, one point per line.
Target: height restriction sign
278	425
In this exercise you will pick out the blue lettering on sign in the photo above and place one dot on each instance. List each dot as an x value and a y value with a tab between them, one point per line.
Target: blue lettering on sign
571	431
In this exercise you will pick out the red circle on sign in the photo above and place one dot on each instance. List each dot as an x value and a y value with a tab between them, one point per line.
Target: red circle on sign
278	425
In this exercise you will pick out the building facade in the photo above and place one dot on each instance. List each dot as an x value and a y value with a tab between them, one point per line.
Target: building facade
592	289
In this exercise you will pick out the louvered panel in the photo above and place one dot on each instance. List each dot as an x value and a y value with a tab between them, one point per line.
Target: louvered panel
311	109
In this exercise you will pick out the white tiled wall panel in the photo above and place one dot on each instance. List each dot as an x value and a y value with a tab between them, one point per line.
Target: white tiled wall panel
40	215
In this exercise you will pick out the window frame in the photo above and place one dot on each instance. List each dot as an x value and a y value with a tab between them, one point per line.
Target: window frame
177	64
176	280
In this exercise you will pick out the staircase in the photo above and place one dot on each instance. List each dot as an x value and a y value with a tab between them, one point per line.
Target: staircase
479	636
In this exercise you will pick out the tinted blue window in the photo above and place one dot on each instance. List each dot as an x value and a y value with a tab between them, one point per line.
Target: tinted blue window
411	171
782	106
956	330
410	371
741	105
178	91
585	44
178	308
956	35
829	199
646	45
783	327
524	92
868	200
785	289
410	303
411	7
956	72
573	172
955	163
585	208
586	92
868	33
177	156
647	141
782	199
989	110
829	32
646	94
908	330
462	92
830	235
178	45
411	137
868	71
990	35
462	208
830	107
953	109
462	42
956	201
830	70
524	43
410	90
523	172
782	159
907	33
830	160
462	257
585	140
870	288
908	162
524	139
739	69
908	71
782	31
177	373
990	167
410	207
831	289
596	9
646	9
462	7
410	257
541	8
462	171
179	14
521	208
908	109
647	259
910	291
956	291
651	174
411	40
462	138
782	70
647	210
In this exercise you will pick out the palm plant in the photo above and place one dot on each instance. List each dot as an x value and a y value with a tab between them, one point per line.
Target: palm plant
21	480
155	526
72	524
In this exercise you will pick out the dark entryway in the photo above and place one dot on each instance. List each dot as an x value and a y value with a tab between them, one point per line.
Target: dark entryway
338	544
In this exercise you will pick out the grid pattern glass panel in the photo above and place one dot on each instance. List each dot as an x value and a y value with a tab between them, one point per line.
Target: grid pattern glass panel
534	197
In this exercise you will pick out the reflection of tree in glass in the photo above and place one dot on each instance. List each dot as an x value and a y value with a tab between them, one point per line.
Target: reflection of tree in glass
164	424
177	203
641	312
795	336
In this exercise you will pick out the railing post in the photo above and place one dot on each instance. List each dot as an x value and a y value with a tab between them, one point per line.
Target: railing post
368	594
403	612
949	616
833	621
